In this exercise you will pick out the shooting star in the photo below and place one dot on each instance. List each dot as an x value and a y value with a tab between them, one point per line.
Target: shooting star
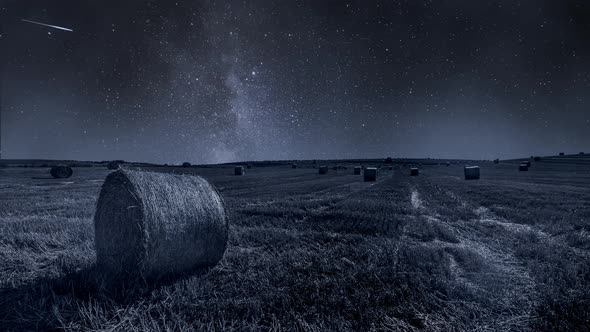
48	25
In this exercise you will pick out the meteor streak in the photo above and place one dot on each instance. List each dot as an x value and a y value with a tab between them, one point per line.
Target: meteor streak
48	25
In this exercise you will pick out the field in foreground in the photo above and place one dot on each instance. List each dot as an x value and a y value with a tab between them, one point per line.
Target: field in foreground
313	252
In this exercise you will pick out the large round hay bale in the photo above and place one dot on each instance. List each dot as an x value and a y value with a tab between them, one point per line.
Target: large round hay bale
357	170
152	224
370	174
471	172
239	170
414	171
323	170
61	172
113	165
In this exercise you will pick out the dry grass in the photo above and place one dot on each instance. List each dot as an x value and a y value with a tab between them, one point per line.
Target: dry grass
316	253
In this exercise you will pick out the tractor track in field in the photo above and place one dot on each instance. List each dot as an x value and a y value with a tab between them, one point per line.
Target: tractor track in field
334	199
502	275
487	217
325	198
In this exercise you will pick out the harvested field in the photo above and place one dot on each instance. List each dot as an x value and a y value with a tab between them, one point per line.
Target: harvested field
434	252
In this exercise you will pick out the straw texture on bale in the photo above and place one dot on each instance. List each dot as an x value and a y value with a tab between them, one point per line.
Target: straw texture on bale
113	165
323	170
61	172
370	174
357	170
471	172
414	171
523	167
239	170
152	224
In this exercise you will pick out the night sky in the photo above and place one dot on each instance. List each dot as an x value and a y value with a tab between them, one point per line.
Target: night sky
218	81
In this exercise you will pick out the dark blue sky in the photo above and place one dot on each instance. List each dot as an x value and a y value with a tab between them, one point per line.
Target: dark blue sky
217	81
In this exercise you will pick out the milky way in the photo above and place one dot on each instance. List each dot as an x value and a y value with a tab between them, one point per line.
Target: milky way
219	81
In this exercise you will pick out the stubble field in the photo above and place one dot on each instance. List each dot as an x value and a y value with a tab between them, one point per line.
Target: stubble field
310	252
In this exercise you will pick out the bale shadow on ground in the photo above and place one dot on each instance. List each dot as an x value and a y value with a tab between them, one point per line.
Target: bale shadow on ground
36	306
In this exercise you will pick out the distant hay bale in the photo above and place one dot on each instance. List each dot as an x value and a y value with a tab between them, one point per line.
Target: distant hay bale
414	171
186	164
581	152
471	172
523	167
537	158
323	170
113	165
357	170
293	165
496	161
562	154
239	170
152	224
370	174
61	172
